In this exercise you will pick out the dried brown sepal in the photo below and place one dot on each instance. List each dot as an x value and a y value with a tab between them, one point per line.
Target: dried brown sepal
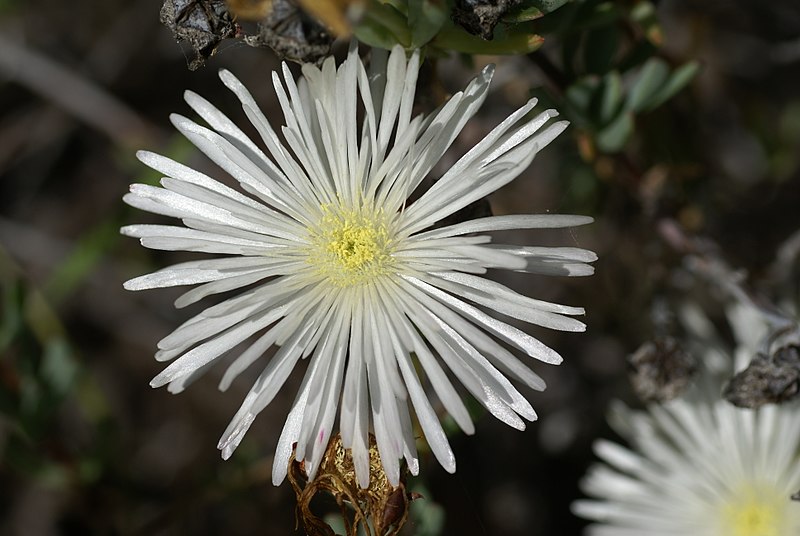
292	34
661	370
380	510
479	17
201	23
795	496
767	379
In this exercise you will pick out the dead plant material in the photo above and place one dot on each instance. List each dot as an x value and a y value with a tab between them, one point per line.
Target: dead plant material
292	34
379	510
204	24
661	370
479	17
767	379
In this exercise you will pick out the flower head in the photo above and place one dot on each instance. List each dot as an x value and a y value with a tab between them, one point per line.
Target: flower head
337	266
699	465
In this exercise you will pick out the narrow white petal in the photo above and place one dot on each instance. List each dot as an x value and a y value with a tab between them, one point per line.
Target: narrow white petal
179	171
284	160
493	382
191	273
510	334
395	77
169	203
239	166
506	223
329	405
231	283
445	132
438	379
200	328
288	437
247	358
222	316
262	217
222	124
515	306
493	288
431	427
170	238
488	256
215	347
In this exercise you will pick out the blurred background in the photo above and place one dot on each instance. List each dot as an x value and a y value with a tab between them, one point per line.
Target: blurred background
685	122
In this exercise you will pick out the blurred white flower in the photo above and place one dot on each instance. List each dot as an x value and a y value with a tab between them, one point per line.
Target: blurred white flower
699	465
336	264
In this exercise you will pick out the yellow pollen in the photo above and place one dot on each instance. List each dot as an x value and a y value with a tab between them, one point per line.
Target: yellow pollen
350	245
756	512
354	246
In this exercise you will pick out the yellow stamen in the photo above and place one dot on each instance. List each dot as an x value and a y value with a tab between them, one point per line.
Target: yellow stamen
756	512
350	245
354	245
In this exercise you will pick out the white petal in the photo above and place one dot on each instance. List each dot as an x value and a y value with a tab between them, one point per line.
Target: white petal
510	304
329	404
510	334
431	427
169	238
445	131
231	283
289	433
506	223
192	273
215	347
438	379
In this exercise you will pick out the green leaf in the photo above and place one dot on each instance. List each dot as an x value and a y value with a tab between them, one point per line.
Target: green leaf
383	26
651	78
513	41
532	10
375	35
580	93
612	97
644	13
399	5
577	102
522	15
59	368
614	137
679	79
425	18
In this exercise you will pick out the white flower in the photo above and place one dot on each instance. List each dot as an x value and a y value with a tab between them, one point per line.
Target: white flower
699	469
337	265
698	465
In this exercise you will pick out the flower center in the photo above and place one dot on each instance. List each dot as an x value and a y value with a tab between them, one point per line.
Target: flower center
350	245
756	512
354	245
